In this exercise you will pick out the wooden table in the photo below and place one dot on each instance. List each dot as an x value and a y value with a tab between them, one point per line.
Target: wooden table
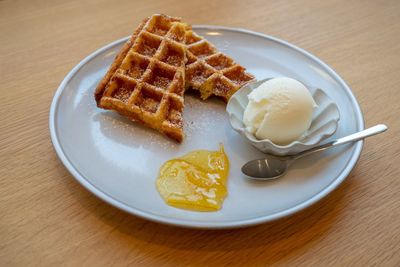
48	219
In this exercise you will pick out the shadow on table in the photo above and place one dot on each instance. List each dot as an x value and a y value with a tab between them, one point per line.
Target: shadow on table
273	240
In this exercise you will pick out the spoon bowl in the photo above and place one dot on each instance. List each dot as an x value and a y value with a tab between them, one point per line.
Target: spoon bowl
271	167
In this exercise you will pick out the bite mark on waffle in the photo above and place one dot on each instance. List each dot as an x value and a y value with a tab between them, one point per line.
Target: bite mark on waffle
210	71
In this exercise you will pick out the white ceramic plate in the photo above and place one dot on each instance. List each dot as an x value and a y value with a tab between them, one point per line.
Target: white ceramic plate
118	160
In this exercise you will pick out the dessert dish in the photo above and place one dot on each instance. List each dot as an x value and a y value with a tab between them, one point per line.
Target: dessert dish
146	81
324	121
128	158
195	181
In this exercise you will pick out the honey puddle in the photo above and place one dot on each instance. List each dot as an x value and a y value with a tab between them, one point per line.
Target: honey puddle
196	181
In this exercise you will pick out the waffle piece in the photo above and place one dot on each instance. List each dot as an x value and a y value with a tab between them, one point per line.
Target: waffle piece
210	71
146	81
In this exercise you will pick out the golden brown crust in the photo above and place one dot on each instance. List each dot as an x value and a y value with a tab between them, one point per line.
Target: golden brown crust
146	81
117	62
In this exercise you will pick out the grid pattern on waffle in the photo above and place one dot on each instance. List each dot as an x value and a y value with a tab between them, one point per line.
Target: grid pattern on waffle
210	71
149	82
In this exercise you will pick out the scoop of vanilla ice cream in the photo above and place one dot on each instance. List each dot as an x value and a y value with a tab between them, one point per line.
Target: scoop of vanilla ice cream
280	110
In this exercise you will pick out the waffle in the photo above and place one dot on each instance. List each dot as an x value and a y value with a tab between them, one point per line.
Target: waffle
146	82
210	71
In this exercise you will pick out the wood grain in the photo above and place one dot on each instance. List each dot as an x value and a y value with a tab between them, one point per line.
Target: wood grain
48	219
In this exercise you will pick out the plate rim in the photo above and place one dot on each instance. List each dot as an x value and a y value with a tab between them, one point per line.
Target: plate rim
197	224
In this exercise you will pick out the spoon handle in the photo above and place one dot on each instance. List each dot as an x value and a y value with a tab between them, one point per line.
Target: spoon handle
350	138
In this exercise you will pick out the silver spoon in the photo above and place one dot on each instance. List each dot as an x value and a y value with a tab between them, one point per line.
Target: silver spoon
272	167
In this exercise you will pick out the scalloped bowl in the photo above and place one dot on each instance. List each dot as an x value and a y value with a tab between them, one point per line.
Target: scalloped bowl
324	122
